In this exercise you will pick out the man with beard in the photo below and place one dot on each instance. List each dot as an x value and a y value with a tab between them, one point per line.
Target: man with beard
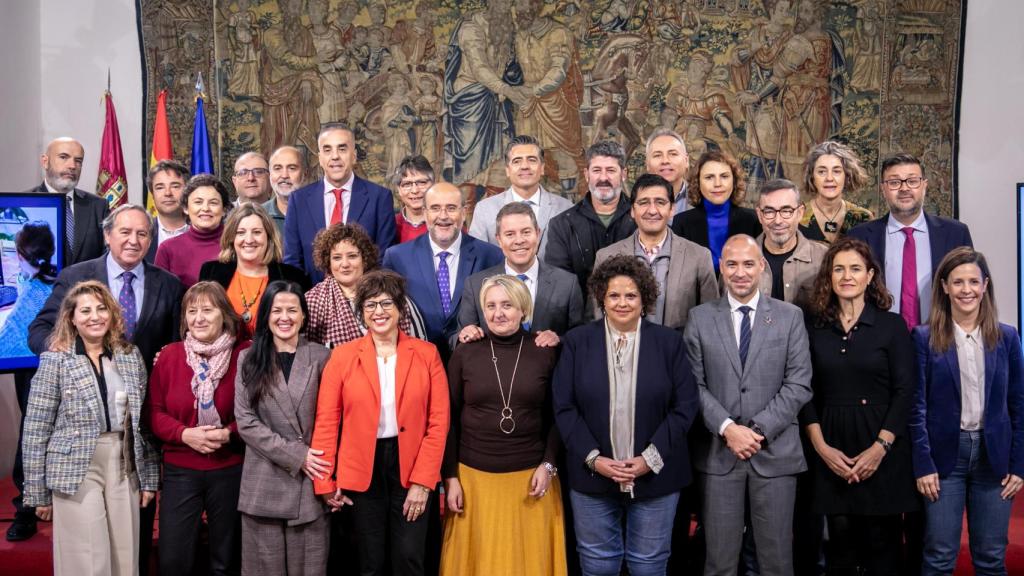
166	182
286	174
666	156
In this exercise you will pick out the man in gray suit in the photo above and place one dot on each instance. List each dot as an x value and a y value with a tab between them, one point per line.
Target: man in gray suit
556	294
683	268
750	357
524	166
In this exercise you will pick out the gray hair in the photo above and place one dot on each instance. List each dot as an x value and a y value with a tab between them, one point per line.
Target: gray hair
608	148
108	222
779	184
658	133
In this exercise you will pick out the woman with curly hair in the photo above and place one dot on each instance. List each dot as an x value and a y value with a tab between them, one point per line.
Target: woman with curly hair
623	411
863	383
832	168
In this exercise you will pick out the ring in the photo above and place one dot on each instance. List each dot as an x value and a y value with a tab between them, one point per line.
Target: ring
543	492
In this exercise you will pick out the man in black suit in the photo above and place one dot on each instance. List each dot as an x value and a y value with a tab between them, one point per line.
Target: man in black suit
166	181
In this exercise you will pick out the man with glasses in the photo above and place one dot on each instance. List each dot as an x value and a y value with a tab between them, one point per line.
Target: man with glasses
793	260
412	178
251	178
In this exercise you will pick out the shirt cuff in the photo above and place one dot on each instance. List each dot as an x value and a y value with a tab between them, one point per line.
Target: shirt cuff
653	458
721	429
591	458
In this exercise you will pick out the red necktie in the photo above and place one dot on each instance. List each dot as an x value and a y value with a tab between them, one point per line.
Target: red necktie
339	207
909	307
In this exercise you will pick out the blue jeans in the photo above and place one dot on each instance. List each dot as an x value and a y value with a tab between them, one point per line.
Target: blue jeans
646	544
973	485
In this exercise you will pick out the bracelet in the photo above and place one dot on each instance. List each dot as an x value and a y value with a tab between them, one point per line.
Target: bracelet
552	470
884	444
592	461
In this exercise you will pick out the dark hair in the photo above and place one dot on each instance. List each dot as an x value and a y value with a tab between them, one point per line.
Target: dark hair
417	163
607	148
173	166
628	266
380	282
35	244
650	181
899	159
825	303
199	181
259	371
776	185
331	127
215	294
739	178
524	140
515	208
328	238
941	316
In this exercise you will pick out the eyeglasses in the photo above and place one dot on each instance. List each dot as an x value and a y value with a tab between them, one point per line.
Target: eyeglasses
410	184
371	305
770	213
658	202
449	209
257	172
914	182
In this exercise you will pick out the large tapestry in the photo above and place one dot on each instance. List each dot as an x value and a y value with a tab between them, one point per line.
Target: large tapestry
454	80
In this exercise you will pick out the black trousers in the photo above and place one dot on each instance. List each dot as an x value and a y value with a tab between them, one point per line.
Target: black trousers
870	545
22	385
186	495
381	529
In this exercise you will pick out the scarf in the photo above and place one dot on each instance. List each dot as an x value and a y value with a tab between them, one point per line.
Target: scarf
340	323
209	363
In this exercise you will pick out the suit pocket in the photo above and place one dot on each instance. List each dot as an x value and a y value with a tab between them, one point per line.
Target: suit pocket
59	445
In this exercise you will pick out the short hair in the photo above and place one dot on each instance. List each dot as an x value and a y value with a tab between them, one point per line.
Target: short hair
776	185
825	303
523	140
64	332
111	219
380	282
899	159
293	150
515	208
332	127
853	171
328	238
36	245
247	155
650	181
213	293
624	265
200	181
739	177
416	163
273	253
608	148
517	292
658	133
173	166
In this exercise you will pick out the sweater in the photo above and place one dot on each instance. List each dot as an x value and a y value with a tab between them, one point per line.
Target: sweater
184	255
718	229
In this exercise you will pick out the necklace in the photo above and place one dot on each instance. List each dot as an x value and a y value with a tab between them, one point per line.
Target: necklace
506	411
830	221
247	304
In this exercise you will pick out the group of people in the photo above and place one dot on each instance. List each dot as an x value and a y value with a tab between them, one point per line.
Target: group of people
307	353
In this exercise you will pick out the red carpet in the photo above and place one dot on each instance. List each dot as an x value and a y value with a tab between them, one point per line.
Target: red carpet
33	556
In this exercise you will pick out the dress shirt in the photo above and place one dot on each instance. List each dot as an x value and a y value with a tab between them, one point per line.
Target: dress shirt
166	233
70	195
531	278
894	240
453	261
111	388
115	281
737	320
346	199
970	354
533	201
387	427
682	203
659	267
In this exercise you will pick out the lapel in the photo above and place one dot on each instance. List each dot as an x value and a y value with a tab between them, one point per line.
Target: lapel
699	222
368	362
81	212
723	320
282	396
357	200
467	259
876	239
150	296
124	368
545	289
82	373
423	256
953	364
992	361
761	324
676	274
154	241
595	391
404	351
543	208
315	207
936	240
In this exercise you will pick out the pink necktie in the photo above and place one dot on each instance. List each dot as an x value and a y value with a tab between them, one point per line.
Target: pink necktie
909	307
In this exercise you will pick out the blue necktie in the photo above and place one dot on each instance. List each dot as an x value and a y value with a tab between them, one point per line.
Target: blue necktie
524	278
444	283
127	301
745	333
69	230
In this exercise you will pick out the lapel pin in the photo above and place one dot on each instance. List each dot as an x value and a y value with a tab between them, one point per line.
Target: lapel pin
768	320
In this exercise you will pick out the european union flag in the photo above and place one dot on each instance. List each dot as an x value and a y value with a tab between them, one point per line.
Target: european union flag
202	157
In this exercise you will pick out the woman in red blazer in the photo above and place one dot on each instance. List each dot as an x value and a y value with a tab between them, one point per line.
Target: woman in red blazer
388	394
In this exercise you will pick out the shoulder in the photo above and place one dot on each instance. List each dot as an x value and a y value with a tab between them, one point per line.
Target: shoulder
478	278
171	357
1009	334
659	334
943	222
556	274
584	332
370	187
318	352
858	213
407	249
308	190
91	198
869	228
624	246
469	243
289	272
562	218
319	290
685	245
921	333
88	270
490	205
560	202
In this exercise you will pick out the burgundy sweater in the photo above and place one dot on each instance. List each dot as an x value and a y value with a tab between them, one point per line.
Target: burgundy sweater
184	255
171	408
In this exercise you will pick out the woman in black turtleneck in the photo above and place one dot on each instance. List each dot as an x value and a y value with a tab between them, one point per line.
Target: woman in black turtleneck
498	466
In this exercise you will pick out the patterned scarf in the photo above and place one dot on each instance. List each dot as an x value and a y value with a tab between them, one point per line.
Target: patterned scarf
333	320
209	363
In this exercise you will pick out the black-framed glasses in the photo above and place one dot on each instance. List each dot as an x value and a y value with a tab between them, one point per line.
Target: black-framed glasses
914	182
371	305
245	172
770	213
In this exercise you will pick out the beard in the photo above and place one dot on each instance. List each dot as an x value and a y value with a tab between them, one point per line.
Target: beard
63	184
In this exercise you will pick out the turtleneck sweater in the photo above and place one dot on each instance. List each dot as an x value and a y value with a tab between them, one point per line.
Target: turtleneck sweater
184	255
718	228
474	438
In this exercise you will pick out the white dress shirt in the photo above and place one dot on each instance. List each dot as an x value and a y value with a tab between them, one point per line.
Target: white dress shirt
894	241
737	320
70	196
346	199
531	277
970	354
453	261
533	201
387	427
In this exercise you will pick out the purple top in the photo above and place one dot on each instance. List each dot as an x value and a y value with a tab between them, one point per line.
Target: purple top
184	255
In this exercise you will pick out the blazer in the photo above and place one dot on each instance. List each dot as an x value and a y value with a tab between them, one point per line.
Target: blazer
154	241
485	215
61	425
277	433
90	210
415	261
371	206
666	407
558	305
935	415
159	320
768	391
350	402
693	224
691	278
223	272
944	234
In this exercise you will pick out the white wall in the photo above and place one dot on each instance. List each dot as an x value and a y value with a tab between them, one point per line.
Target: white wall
20	111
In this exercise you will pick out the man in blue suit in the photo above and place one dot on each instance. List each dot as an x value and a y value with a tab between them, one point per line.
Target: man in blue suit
437	264
340	197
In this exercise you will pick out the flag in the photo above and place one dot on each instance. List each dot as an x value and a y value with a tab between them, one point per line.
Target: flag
112	182
162	148
202	158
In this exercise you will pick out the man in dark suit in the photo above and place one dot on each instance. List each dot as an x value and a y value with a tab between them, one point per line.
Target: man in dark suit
166	181
340	197
907	231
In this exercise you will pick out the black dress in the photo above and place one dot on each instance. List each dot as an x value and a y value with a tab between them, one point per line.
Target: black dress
863	382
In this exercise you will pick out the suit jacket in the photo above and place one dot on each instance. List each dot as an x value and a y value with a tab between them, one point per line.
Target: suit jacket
159	320
62	425
154	241
693	224
371	206
277	432
935	415
350	402
666	406
223	272
415	261
485	215
90	210
558	306
690	281
768	391
944	234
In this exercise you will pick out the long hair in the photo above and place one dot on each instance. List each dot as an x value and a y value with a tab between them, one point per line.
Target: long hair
272	253
64	332
941	317
739	177
825	303
259	371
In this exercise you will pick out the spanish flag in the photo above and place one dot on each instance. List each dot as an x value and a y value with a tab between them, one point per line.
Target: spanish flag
112	182
162	149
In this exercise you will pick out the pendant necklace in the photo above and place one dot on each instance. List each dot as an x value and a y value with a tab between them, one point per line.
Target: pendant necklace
830	222
247	304
507	424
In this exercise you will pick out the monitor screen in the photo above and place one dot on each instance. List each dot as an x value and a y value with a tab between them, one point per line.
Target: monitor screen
1020	256
31	253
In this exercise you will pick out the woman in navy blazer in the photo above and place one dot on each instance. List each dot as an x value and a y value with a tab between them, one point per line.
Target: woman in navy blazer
967	424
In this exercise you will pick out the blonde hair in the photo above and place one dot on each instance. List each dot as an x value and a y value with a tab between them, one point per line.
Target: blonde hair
64	332
517	292
273	253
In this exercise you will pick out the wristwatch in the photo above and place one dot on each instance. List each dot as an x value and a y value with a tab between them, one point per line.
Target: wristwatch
885	444
552	470
757	430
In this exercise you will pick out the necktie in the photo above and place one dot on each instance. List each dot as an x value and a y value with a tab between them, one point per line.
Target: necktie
127	301
524	278
909	305
339	207
69	230
444	283
745	333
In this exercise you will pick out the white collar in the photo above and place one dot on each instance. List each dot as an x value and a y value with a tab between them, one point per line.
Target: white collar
70	194
735	304
531	272
453	250
347	186
535	198
919	224
963	334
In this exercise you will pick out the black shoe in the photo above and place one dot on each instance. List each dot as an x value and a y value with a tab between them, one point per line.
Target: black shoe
20	531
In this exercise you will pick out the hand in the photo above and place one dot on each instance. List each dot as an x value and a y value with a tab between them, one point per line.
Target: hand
614	470
220	435
540	482
198	439
316	468
337	500
471	333
1011	485
866	463
746	98
44	513
743	441
840	464
146	498
415	502
453	495
928	486
637	466
546	339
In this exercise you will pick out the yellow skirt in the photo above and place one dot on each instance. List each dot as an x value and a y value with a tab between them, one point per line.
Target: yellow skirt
503	531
